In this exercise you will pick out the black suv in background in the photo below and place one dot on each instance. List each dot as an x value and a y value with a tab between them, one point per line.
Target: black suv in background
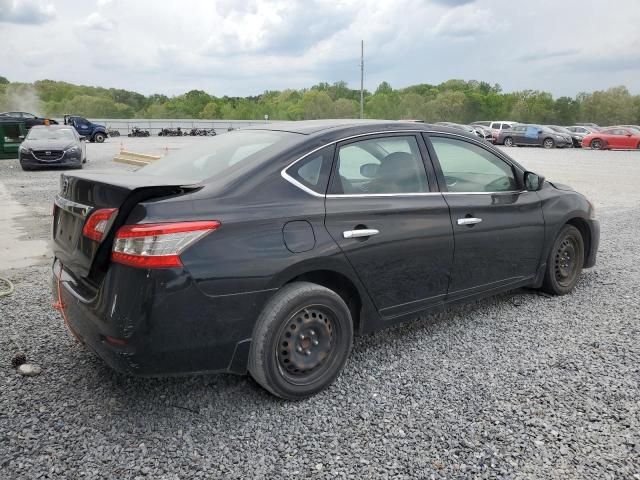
29	119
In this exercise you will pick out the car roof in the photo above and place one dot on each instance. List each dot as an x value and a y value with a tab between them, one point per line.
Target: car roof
345	127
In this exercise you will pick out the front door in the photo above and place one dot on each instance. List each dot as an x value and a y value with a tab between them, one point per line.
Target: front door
385	213
82	126
498	228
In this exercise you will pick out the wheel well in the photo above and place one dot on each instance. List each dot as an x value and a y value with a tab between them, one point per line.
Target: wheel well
339	284
583	228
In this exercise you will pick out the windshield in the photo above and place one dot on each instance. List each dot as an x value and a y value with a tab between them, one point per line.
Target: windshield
222	154
50	134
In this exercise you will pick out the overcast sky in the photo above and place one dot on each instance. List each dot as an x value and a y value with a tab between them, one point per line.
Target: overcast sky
229	47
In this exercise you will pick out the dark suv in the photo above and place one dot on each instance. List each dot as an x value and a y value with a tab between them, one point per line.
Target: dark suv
265	249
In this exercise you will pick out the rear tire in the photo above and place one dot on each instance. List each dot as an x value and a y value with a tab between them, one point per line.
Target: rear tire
301	341
508	142
565	262
548	143
596	144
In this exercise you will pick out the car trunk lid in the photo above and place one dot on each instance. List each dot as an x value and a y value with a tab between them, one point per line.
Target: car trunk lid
81	195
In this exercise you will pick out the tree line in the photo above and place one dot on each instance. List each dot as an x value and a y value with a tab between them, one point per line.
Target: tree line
454	101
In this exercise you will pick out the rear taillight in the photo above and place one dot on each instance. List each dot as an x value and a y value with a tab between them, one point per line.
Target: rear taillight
157	245
97	223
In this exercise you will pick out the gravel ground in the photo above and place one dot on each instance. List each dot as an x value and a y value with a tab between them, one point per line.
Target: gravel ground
515	386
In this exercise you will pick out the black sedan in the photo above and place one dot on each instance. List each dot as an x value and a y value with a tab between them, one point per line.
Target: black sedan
29	119
576	137
52	146
264	250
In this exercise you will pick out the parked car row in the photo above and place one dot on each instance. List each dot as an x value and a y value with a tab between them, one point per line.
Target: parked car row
509	134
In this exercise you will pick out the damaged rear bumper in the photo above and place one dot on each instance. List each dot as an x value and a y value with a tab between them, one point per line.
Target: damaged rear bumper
157	322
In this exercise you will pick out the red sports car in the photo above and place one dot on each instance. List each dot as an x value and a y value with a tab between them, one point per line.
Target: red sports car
613	138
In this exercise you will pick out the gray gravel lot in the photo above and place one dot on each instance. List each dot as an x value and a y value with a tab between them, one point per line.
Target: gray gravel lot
515	386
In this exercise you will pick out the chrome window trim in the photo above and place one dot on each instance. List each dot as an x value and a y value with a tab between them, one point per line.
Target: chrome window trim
304	188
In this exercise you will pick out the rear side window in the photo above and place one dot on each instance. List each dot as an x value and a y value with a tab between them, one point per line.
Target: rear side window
313	171
385	165
470	168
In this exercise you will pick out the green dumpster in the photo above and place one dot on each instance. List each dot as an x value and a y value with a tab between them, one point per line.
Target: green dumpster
12	133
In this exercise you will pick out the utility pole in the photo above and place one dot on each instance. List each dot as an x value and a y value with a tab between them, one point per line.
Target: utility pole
361	78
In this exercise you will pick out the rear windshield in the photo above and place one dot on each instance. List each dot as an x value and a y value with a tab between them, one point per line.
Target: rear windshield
222	154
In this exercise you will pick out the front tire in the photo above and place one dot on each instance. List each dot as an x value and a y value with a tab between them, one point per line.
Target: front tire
508	142
301	341
548	143
596	144
565	262
98	137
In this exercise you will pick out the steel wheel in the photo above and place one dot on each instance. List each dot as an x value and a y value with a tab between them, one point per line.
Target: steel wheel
508	142
565	266
596	144
548	143
99	137
305	343
565	261
301	340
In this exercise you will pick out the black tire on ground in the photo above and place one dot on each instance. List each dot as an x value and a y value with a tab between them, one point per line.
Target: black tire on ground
596	144
548	143
508	142
98	137
565	261
301	341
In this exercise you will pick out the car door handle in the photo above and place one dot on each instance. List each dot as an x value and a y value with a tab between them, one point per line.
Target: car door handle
362	232
469	221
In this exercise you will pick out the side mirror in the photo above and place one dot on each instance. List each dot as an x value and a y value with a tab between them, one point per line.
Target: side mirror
539	131
369	170
532	181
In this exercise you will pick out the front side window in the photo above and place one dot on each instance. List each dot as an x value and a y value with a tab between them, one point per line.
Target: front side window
386	165
470	168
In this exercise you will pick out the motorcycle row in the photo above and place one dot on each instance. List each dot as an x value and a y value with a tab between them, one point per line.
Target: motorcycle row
178	132
166	132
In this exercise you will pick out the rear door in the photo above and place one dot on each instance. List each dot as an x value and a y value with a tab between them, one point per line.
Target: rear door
518	134
385	213
498	228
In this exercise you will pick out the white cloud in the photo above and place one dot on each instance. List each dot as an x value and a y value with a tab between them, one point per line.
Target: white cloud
467	21
26	11
98	21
